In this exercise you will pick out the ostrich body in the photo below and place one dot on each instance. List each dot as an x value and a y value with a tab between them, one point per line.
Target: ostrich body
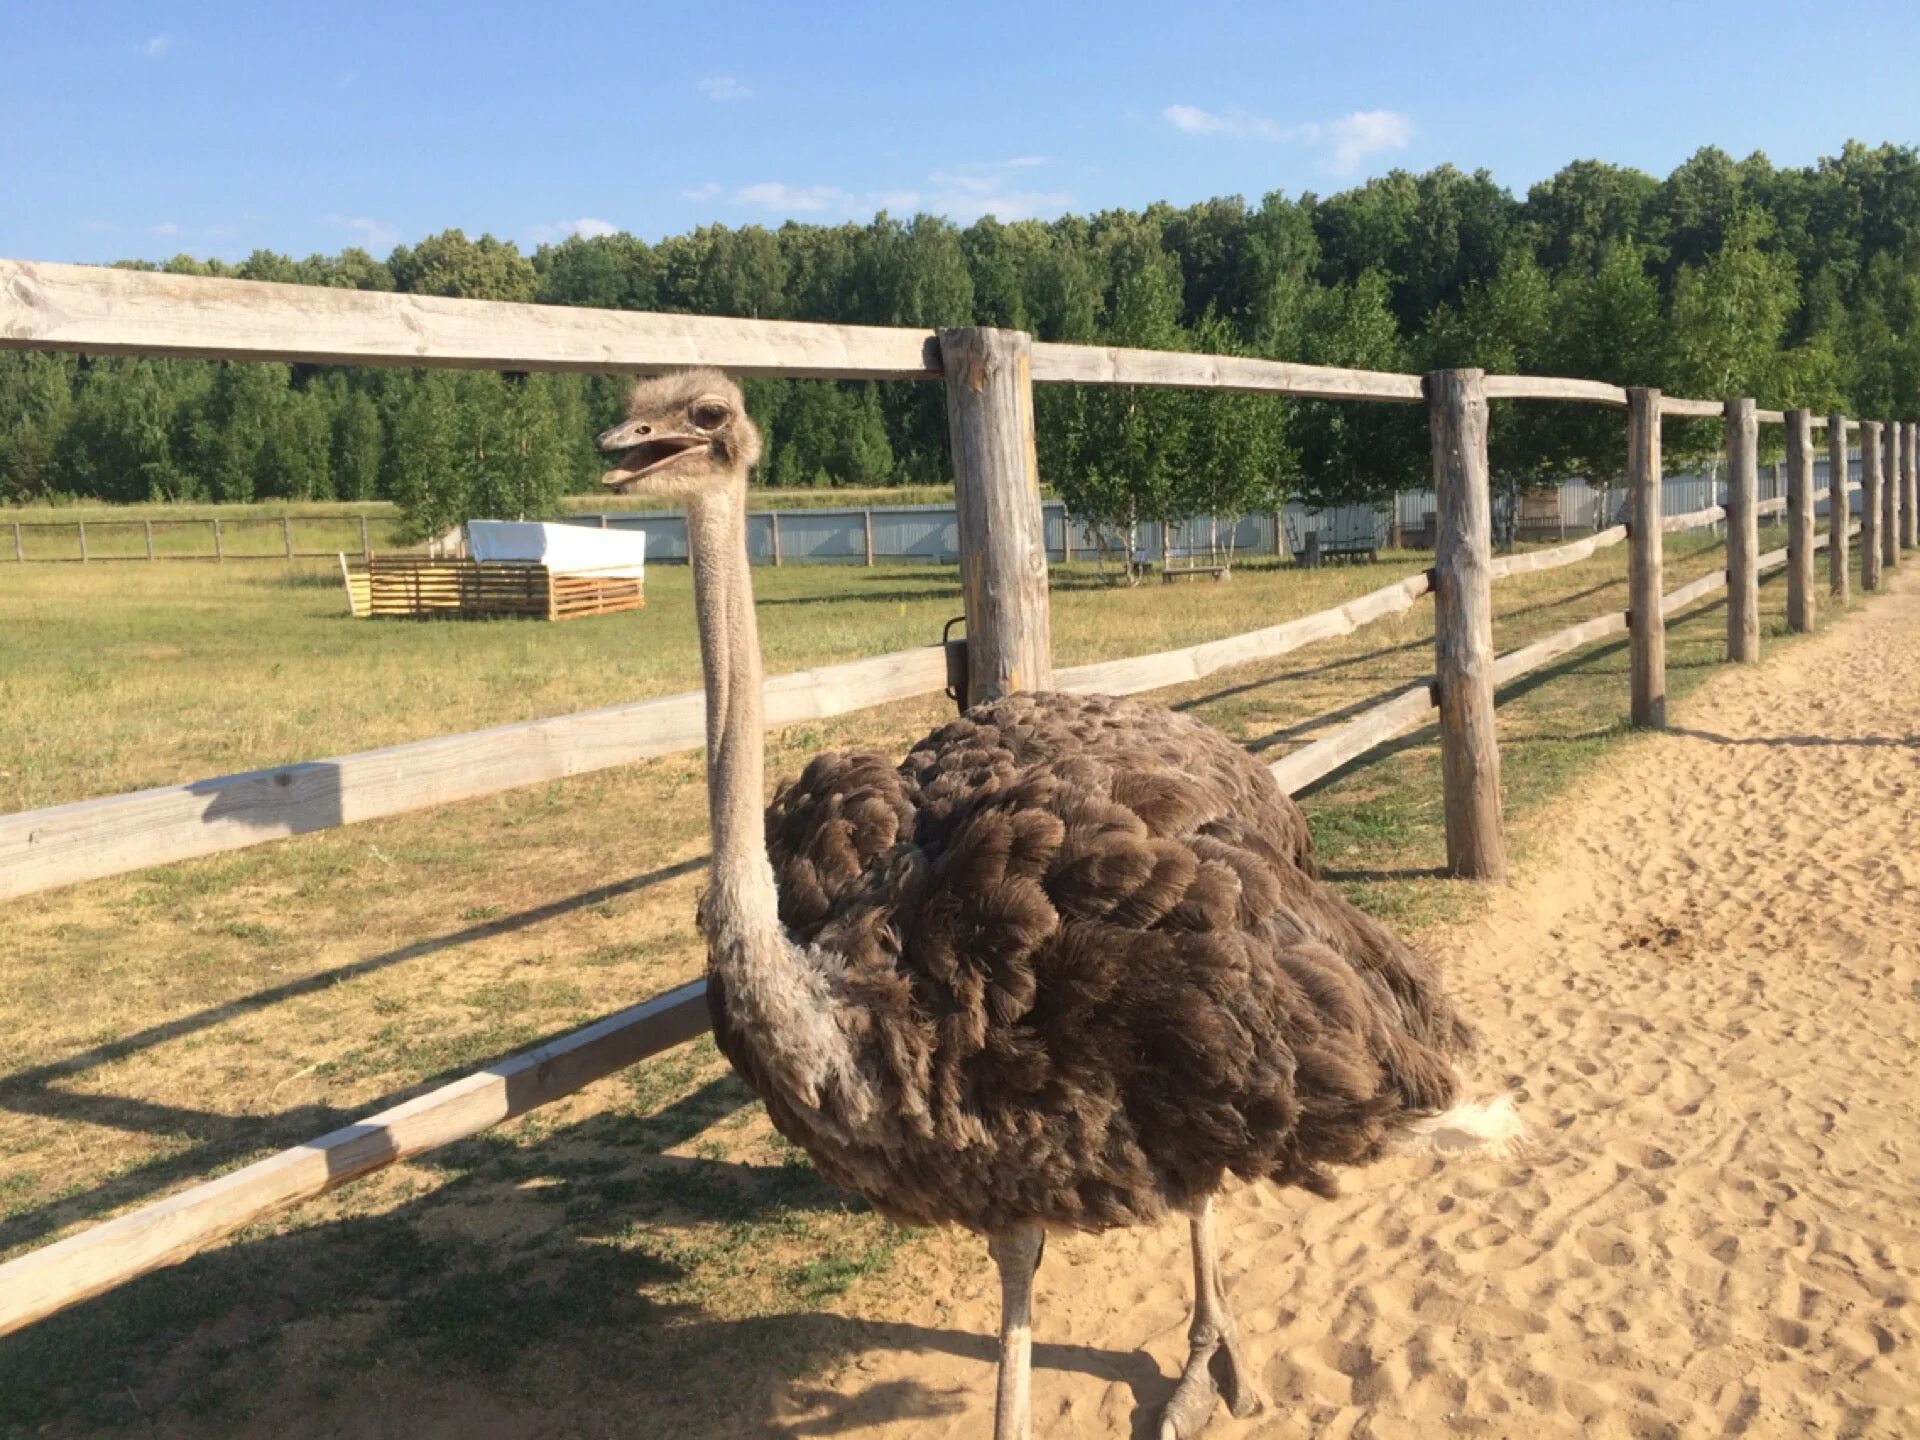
1064	967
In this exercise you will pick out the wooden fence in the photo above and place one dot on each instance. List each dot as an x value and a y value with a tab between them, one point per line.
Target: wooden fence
216	538
988	376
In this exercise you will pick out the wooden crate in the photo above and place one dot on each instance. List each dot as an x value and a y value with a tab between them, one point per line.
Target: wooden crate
424	587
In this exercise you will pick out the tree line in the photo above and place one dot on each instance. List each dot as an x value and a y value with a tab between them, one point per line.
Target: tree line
1800	286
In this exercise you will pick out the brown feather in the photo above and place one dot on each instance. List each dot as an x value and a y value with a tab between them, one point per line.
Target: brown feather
1098	971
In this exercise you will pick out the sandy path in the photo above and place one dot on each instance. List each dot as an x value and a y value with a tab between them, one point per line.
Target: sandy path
1708	996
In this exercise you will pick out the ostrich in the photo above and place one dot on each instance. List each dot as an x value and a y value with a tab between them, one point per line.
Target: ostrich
1064	967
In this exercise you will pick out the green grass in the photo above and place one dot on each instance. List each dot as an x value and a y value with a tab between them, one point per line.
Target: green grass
649	1248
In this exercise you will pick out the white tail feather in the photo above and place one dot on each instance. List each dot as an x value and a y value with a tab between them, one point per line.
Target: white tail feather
1491	1127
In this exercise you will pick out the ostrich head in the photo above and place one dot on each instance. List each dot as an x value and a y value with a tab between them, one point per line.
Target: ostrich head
685	433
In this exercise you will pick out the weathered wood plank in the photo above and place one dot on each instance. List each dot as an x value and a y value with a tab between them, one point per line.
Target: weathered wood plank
1770	417
1870	503
1548	387
1463	624
1370	728
64	844
1693	519
1743	531
1675	600
1910	487
84	307
43	1281
1647	659
1526	562
1003	538
1111	365
1515	663
1839	521
1136	673
1892	481
1801	605
1701	409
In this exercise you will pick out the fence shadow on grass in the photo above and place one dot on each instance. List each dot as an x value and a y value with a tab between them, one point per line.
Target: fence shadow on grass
556	1281
220	1138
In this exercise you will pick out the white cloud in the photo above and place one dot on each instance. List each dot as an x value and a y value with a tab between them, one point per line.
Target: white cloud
963	193
586	227
967	192
167	228
777	195
707	191
155	46
374	234
1192	120
1345	142
724	87
1366	132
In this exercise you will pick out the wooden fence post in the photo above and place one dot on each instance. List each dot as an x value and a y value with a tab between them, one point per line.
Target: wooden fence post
83	540
149	529
1646	626
866	518
1869	504
366	550
286	535
1463	623
773	520
1839	509
1890	485
1743	531
219	549
1066	536
996	478
19	550
1800	602
1910	488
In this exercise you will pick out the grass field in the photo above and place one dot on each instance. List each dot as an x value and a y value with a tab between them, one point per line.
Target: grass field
647	1255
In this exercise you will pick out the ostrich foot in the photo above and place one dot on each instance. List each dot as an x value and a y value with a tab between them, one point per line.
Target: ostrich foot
1214	1368
1214	1371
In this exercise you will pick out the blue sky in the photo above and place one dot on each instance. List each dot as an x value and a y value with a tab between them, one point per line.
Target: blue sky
218	128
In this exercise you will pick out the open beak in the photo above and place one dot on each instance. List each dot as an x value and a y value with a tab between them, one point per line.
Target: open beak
645	450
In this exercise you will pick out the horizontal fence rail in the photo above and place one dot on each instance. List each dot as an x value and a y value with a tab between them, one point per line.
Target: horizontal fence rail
35	1285
89	839
136	312
46	305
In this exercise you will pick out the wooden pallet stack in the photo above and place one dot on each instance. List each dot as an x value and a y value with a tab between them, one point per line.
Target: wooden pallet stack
425	587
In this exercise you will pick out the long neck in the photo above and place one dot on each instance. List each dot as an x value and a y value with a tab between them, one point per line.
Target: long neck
786	1005
736	727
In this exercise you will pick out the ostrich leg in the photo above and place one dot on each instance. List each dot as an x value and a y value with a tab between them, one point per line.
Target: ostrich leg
1214	1353
1016	1250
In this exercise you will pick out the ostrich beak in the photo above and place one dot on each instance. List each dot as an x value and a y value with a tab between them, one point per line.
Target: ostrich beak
646	448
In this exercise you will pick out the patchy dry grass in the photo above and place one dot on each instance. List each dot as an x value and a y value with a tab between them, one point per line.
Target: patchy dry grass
645	1257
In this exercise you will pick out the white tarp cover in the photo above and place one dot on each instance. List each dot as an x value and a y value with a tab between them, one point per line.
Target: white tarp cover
563	549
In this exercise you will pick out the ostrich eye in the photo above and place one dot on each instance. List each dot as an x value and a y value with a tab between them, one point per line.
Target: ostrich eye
709	415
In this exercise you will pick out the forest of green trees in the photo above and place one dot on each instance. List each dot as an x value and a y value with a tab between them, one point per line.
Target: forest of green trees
1797	286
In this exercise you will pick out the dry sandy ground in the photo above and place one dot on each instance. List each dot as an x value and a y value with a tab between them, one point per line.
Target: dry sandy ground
1705	999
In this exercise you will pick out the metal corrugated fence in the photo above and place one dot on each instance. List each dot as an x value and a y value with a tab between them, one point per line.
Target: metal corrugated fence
929	532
